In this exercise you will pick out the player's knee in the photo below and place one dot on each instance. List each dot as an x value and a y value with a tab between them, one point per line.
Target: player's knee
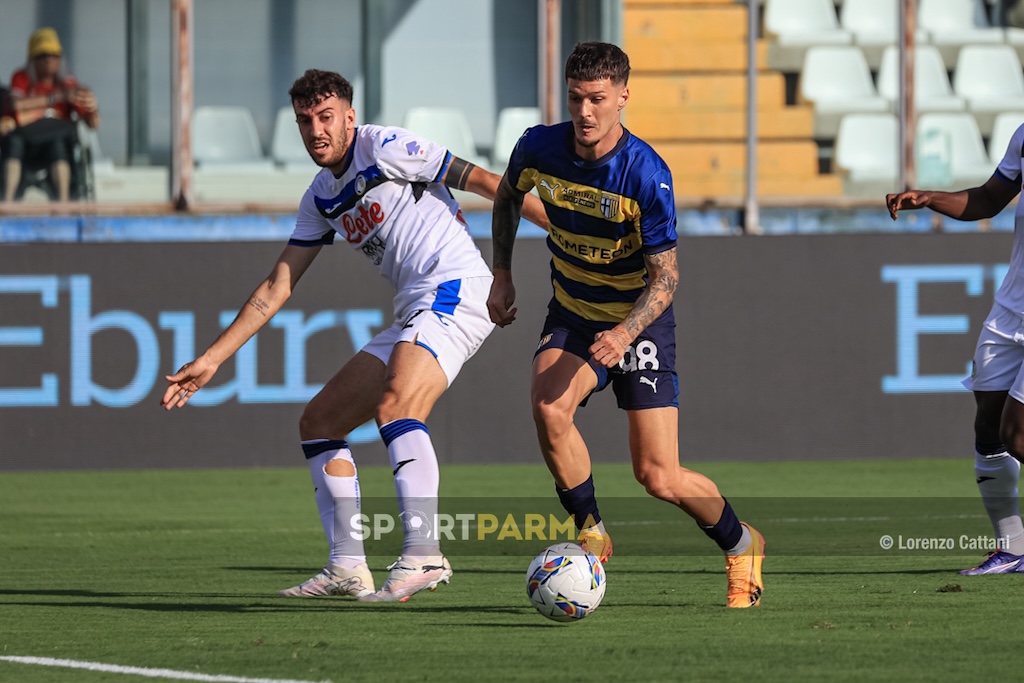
316	423
657	482
390	408
1012	436
552	416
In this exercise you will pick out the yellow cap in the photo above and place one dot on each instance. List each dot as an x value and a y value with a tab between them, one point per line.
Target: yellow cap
43	41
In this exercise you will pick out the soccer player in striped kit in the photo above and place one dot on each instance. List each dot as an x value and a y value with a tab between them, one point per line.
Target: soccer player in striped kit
612	237
384	191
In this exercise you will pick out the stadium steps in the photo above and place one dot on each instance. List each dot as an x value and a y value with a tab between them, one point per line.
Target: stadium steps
689	95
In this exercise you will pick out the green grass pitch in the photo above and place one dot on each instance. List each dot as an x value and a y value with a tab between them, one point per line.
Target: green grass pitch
178	570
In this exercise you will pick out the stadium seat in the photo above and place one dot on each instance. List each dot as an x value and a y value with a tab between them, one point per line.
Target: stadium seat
837	81
874	25
1005	126
867	154
793	26
225	139
448	127
950	151
512	121
286	147
932	90
990	79
952	24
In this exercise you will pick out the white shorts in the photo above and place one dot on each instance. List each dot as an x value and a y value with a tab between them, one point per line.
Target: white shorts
451	322
999	357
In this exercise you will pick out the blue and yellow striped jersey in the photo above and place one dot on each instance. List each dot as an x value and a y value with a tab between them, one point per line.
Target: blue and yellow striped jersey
604	216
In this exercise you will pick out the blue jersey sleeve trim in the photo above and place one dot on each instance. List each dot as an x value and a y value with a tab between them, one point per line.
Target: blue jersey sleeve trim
444	167
658	248
1003	177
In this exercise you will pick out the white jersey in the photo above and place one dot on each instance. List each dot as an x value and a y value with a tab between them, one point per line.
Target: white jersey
1011	293
388	204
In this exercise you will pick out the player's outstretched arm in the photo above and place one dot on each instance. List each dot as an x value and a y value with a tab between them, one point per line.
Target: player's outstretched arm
505	215
463	175
262	305
973	204
610	346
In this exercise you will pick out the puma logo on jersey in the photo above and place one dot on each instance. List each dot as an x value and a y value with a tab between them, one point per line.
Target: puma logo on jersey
652	382
547	186
664	186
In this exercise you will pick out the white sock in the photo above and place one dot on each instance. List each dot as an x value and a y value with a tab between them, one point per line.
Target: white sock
997	476
346	546
337	499
743	544
417	478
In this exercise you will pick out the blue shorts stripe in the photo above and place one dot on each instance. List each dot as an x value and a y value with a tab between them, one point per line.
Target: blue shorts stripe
447	297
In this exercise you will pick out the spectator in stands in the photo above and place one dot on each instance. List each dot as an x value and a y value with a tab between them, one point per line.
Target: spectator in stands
997	375
45	105
7	124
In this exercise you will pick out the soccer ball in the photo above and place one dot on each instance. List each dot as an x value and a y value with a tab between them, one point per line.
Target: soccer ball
565	583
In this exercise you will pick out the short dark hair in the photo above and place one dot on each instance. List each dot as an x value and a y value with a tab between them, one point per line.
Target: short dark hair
596	61
315	85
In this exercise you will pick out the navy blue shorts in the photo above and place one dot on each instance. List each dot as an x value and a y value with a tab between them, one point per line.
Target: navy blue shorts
645	378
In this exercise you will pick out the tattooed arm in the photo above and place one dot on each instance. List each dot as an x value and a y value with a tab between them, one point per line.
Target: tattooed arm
662	279
266	301
462	175
508	207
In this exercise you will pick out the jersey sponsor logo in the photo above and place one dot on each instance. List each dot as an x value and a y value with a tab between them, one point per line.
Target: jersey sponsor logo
374	249
360	186
361	221
664	186
390	138
594	249
584	198
414	149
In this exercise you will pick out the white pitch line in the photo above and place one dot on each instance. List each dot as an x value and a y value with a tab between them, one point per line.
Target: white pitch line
148	673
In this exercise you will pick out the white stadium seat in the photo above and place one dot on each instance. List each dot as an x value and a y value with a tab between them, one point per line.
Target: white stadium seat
226	139
932	90
512	122
990	79
867	154
286	147
874	25
793	26
446	126
952	24
837	81
950	152
1006	124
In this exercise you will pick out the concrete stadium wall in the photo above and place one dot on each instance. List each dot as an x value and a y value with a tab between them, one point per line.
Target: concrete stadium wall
795	347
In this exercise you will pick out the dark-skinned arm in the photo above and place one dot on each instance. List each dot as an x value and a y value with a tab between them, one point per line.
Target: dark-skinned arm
972	204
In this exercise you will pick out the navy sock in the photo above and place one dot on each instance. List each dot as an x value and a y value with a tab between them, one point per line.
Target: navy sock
581	503
727	532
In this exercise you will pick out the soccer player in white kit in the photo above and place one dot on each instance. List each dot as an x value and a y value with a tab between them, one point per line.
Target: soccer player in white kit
384	191
997	378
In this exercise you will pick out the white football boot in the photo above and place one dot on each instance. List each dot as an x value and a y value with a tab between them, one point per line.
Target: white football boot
411	575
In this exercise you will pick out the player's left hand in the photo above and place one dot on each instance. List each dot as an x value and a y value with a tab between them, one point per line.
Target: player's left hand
187	381
609	347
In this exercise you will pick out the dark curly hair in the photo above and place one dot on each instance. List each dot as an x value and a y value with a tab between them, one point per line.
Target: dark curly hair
315	86
596	61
